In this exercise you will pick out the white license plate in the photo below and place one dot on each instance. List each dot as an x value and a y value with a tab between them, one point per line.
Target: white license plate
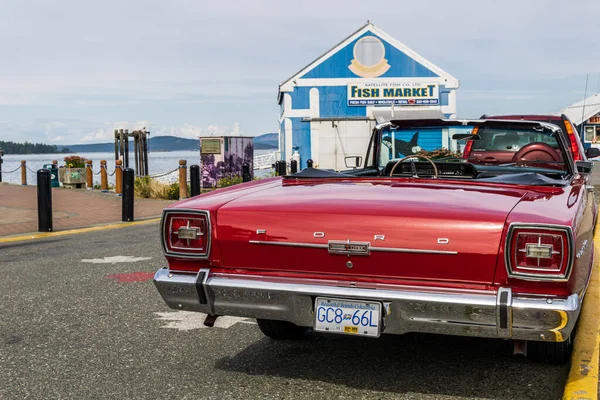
347	316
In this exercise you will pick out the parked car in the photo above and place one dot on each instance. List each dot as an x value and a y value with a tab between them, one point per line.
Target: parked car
403	245
562	121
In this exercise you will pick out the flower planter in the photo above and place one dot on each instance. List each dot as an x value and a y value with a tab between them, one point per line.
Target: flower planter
72	177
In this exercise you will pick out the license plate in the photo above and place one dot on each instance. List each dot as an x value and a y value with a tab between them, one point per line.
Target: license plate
348	317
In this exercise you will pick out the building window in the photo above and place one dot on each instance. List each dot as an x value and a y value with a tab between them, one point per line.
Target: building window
590	134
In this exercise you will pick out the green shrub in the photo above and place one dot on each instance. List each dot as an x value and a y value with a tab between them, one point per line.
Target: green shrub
229	181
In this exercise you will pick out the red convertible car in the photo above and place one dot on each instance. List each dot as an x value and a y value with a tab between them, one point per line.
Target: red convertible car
403	245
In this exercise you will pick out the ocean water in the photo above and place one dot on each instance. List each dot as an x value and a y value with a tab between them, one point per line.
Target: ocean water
158	163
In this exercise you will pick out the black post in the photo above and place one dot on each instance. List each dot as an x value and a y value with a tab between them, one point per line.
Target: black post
246	172
309	163
128	176
293	166
194	180
44	195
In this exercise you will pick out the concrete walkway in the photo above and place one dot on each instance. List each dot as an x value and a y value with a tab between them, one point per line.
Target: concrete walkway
71	208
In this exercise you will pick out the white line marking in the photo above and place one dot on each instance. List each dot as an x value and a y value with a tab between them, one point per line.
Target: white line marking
116	259
188	320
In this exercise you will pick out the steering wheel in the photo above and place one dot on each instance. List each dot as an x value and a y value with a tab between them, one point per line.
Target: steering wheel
412	165
536	151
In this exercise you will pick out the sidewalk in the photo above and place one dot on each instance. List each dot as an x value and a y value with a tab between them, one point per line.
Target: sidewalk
71	209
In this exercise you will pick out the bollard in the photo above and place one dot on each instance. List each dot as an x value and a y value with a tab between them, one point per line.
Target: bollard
103	176
89	174
128	183
44	197
118	177
282	168
183	194
194	180
309	163
293	166
246	172
23	172
278	167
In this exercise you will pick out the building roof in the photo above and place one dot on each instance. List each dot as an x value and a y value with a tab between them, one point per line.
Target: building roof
583	110
452	82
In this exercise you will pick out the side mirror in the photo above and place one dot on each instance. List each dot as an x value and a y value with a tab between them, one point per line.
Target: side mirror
353	161
592	152
584	167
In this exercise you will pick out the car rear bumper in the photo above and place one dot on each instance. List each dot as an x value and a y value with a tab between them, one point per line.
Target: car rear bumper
490	314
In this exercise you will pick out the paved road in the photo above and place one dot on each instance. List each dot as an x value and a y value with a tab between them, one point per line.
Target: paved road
86	330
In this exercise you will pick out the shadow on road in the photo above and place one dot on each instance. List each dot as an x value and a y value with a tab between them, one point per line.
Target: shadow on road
413	363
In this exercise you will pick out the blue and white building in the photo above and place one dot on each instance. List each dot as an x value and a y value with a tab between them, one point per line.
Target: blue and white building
330	107
585	115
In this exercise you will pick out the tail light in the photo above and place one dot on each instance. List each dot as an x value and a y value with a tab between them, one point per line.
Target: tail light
539	252
469	144
186	233
572	140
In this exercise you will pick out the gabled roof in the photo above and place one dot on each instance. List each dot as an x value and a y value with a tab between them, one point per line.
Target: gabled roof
583	110
452	82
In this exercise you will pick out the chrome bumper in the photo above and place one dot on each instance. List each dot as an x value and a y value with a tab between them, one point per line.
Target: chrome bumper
408	308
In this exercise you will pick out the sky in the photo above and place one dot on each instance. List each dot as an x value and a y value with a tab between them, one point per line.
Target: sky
73	71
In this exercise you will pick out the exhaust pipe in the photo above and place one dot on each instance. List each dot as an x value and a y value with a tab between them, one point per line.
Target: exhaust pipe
210	320
520	348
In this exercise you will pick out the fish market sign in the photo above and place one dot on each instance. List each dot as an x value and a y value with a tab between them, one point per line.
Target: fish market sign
397	93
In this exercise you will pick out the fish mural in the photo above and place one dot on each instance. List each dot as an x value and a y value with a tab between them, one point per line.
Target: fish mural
404	148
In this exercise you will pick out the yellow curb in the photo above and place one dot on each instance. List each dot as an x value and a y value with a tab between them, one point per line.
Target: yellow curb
43	235
582	382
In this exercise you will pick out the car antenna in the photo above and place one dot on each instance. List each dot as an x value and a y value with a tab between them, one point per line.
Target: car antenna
584	98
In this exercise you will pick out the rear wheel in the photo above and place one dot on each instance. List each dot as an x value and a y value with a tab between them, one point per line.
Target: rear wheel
550	352
281	329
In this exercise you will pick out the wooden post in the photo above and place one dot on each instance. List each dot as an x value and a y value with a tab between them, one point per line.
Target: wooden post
116	144
23	172
118	177
183	194
121	144
89	174
103	176
136	142
145	150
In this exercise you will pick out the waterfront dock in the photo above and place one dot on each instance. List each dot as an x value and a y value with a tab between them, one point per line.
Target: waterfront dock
72	209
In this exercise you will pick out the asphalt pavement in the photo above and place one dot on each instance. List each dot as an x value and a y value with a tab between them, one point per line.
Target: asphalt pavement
81	319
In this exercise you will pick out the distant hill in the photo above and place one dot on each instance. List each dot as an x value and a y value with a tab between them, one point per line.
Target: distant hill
267	141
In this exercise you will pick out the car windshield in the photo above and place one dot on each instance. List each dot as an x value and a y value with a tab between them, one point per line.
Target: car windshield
502	147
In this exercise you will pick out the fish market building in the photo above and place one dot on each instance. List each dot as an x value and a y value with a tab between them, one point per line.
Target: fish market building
330	107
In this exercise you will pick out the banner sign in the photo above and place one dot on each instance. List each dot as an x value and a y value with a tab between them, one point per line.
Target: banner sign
397	93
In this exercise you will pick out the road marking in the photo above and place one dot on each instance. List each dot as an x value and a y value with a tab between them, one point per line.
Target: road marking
188	320
582	382
44	235
132	277
116	259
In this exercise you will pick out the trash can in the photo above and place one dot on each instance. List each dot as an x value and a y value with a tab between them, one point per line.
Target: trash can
53	174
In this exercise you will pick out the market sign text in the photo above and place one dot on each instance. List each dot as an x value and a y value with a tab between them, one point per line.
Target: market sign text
369	94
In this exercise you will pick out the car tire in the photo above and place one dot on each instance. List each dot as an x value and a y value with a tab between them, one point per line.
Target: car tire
281	329
550	352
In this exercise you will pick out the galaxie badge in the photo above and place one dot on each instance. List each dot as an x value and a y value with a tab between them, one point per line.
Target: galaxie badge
348	247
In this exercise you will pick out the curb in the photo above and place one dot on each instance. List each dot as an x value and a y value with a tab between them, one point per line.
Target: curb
44	235
582	382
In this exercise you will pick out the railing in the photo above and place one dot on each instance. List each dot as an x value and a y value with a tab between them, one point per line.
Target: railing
265	161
